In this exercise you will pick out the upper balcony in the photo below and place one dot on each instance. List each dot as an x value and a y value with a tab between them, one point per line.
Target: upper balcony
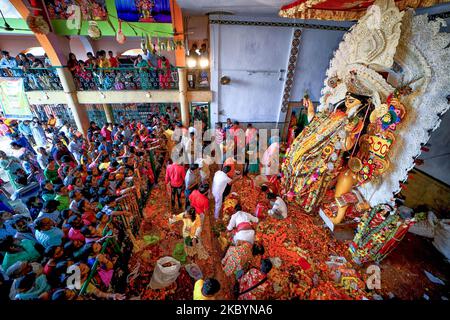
126	78
41	79
112	85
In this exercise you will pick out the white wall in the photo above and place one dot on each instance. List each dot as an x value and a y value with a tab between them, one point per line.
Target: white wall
256	97
252	57
15	44
316	50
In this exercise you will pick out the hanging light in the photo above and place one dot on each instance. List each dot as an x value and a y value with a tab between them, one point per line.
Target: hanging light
191	62
204	63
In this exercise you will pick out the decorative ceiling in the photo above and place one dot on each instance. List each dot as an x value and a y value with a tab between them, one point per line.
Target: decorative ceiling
342	9
73	17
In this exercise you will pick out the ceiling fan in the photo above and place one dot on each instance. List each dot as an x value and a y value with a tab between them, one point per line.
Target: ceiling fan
7	27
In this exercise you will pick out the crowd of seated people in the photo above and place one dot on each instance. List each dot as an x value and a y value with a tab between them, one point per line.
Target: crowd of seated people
77	216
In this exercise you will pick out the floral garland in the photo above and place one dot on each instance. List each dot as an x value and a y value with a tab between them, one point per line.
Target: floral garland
369	243
304	10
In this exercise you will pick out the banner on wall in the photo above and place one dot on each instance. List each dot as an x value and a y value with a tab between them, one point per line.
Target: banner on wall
90	9
127	10
13	100
144	10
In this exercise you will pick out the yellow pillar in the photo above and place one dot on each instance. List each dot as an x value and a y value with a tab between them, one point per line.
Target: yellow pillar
177	23
184	105
79	113
108	112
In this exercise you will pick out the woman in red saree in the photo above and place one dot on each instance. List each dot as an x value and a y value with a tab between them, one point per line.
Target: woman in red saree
254	285
164	75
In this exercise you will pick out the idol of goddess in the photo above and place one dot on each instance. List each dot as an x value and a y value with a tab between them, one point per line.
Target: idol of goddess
320	155
145	7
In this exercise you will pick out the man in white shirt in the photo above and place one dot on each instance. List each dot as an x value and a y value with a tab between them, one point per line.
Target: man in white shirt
65	128
7	61
220	182
279	208
150	57
75	147
242	222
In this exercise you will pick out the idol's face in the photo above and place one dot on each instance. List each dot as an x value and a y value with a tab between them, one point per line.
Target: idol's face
351	103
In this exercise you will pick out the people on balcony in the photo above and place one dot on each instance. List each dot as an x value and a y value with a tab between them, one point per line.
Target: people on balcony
103	61
151	57
7	61
9	65
113	61
91	61
23	61
103	71
72	62
35	62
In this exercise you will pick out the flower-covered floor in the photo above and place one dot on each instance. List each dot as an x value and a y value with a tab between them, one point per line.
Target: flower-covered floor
300	247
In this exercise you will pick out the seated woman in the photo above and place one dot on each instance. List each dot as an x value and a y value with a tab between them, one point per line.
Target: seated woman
18	250
91	289
51	171
239	256
31	287
90	233
24	228
47	234
50	210
254	284
34	205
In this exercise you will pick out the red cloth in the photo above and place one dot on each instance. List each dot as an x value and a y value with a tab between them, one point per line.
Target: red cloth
88	218
230	162
199	201
106	134
114	63
148	171
303	264
239	141
244	226
48	269
75	235
275	184
175	175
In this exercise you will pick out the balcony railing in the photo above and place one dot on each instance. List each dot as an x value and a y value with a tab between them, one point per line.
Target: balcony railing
127	78
35	78
123	78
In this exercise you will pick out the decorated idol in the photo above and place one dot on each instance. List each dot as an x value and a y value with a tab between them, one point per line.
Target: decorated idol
383	96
